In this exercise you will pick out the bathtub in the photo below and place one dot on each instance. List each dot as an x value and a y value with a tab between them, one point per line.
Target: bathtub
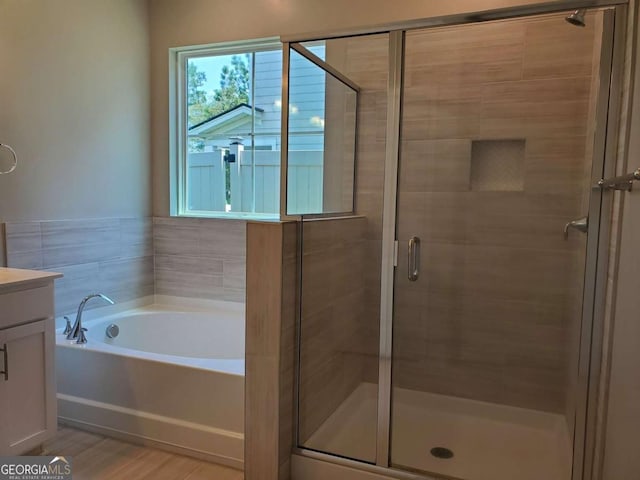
173	378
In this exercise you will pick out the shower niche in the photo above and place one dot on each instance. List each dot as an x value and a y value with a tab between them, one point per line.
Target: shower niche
444	320
497	165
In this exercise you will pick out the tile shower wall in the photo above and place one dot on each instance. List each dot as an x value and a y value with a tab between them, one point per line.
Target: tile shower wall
200	257
112	256
333	299
366	62
496	318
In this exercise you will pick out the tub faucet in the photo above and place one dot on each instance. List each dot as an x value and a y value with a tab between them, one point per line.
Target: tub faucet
77	332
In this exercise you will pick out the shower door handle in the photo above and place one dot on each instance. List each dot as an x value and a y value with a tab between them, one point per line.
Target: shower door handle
5	365
414	259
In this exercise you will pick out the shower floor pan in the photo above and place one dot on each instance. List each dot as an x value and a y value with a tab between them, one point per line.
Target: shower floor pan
488	441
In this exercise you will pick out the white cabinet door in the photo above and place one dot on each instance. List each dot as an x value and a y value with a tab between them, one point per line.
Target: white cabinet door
27	386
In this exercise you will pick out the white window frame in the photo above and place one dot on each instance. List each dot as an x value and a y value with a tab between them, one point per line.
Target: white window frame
178	58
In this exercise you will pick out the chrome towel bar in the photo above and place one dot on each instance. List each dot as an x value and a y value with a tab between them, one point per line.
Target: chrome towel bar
15	159
623	182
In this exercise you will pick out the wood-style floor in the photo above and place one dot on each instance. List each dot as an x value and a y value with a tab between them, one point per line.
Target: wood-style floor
95	457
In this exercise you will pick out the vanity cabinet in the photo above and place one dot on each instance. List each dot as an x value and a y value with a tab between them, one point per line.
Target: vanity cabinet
28	411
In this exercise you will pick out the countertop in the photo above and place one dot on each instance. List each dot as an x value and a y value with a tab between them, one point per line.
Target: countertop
14	277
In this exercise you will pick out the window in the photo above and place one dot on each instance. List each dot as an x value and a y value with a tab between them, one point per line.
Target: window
226	137
226	132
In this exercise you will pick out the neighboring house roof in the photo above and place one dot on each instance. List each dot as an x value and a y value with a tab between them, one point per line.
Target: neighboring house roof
226	122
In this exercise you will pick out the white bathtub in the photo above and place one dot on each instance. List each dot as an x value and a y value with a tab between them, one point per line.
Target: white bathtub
173	377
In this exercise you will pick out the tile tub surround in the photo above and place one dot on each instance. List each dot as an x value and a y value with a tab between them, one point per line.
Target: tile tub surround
113	256
200	257
131	258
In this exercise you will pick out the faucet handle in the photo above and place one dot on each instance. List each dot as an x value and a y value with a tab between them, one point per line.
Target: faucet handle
67	329
581	224
82	338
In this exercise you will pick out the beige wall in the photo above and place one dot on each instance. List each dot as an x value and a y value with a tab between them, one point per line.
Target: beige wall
623	407
196	22
74	103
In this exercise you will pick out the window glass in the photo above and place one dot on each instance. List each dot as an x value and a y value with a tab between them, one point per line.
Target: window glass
231	159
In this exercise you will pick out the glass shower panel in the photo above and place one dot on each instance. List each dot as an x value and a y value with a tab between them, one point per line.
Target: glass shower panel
340	276
497	133
322	139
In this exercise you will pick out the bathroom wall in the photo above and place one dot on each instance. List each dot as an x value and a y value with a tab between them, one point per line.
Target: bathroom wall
200	258
621	388
75	106
501	290
74	96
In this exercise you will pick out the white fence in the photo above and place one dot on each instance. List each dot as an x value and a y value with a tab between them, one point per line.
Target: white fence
206	182
255	181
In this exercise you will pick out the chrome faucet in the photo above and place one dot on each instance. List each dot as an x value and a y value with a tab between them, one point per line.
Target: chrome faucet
77	332
581	224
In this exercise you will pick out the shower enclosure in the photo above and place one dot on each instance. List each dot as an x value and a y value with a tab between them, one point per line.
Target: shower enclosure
451	285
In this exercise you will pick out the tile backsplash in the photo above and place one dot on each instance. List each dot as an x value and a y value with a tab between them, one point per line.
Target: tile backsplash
130	258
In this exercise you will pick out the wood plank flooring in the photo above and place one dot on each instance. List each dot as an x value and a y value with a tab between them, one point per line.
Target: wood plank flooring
96	457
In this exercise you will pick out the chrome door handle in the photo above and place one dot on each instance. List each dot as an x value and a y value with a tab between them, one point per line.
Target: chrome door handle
5	372
580	224
414	259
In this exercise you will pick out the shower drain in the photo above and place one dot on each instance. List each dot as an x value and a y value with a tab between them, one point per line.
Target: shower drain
441	452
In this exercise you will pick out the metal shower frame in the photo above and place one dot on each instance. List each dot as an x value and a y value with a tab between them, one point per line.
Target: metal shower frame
600	213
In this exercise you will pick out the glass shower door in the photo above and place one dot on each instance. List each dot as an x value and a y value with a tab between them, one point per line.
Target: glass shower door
339	254
497	135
